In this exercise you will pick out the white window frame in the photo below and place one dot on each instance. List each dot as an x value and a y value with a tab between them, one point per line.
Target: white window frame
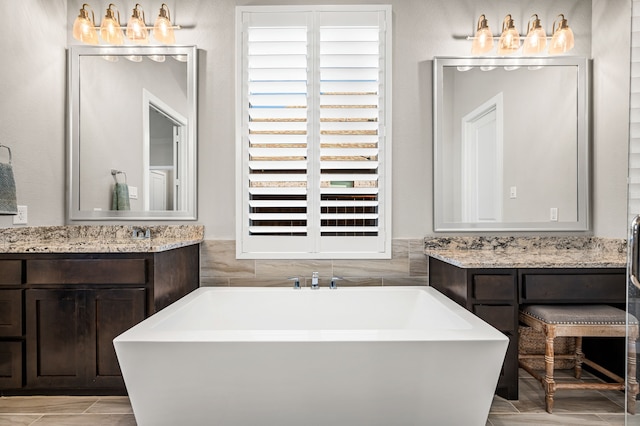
321	247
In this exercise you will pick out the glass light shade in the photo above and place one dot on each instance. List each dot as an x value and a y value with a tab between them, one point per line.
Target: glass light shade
562	40
536	40
110	29
162	29
84	28
483	41
509	41
136	28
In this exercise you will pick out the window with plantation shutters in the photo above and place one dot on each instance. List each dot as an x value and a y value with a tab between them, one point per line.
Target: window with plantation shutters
313	137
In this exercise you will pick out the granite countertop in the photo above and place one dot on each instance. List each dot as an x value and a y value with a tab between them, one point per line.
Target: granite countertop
528	252
98	238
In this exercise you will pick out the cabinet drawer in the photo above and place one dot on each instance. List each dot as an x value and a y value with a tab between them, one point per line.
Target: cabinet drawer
10	272
10	365
502	317
574	287
86	271
494	287
10	313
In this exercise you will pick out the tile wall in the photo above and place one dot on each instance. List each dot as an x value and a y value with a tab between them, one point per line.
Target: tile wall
219	267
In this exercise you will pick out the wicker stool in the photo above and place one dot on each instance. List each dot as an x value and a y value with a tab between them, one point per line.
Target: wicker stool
579	321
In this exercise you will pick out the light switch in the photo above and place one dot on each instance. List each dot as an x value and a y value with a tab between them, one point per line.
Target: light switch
133	192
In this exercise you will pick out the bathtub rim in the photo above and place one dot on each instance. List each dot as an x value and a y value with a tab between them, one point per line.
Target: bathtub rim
150	330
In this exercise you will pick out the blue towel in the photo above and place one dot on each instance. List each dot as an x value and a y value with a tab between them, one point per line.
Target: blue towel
8	203
120	199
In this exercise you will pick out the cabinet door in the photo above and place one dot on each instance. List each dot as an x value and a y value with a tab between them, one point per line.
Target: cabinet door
112	311
11	313
10	365
70	335
56	338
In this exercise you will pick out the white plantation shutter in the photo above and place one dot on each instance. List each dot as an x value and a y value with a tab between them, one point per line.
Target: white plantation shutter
314	177
277	130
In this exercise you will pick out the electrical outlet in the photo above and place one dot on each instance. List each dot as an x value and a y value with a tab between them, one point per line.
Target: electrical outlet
553	214
21	217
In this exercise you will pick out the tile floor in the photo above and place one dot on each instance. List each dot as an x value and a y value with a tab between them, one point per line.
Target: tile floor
571	407
576	407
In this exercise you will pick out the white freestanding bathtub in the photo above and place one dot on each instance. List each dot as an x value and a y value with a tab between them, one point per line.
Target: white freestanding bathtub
278	356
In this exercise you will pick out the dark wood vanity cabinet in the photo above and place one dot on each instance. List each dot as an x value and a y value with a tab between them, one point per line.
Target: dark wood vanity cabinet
495	294
491	294
11	324
70	333
60	312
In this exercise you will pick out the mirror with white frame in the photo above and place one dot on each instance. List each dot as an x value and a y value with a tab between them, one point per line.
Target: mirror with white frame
511	144
132	133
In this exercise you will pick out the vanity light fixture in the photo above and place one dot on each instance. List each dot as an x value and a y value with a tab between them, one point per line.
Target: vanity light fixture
84	28
536	40
136	29
162	29
110	29
483	41
562	40
509	41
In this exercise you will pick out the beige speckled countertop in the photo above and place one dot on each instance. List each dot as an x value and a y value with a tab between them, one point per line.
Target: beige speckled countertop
98	238
528	252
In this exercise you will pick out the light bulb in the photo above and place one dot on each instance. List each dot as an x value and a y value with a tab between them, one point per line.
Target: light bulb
509	41
483	41
110	29
136	28
84	28
163	30
562	40
536	40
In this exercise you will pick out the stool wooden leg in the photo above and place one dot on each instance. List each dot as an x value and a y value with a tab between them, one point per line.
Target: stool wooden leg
632	383
579	358
549	383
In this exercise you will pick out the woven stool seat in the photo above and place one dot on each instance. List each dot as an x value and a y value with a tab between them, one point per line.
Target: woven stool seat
580	321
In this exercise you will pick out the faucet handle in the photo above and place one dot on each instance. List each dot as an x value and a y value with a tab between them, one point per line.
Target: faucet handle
334	284
296	282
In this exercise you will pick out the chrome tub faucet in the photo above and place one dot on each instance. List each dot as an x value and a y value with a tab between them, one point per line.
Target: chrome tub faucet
334	283
296	282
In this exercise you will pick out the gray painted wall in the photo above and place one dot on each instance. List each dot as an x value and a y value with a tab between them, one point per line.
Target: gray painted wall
32	113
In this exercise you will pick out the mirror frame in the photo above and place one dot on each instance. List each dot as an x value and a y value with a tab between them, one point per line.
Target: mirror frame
73	146
583	144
